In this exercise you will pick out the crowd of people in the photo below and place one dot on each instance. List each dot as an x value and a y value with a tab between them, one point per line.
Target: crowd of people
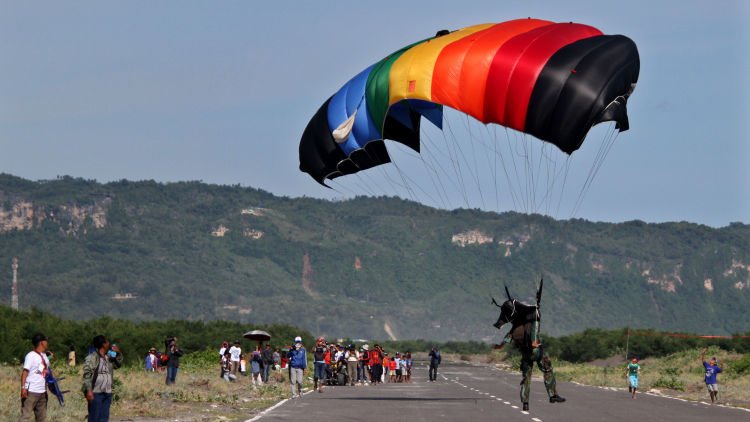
333	364
338	364
234	362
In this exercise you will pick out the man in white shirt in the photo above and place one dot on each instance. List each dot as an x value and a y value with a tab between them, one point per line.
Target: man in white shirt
33	382
235	351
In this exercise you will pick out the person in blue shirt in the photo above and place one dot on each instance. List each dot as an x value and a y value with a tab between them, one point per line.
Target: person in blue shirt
712	369
297	364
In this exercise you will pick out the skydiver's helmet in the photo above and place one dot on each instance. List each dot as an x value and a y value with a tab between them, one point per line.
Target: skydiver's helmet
507	313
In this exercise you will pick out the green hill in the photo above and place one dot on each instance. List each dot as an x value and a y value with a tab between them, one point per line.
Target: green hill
146	250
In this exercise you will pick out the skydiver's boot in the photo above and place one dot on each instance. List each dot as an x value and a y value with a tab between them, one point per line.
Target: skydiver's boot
526	406
556	399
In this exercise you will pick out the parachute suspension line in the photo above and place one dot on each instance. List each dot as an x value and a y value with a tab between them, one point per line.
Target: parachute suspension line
459	153
394	184
542	180
508	181
512	154
341	186
411	192
487	152
474	156
494	165
566	167
367	188
604	149
444	199
419	186
455	162
430	152
529	167
518	150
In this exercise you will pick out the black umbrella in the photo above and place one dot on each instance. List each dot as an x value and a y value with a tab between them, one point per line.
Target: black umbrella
258	335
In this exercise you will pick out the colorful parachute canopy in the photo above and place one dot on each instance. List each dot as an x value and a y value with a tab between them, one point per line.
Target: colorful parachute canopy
551	80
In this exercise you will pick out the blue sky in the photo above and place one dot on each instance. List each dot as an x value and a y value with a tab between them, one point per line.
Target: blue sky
221	91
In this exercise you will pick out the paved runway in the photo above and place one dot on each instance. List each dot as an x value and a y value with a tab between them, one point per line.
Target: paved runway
475	393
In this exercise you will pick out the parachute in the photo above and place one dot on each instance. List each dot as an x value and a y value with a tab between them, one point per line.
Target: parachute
553	81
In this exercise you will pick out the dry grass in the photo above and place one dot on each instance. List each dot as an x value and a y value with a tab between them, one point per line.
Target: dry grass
198	395
678	375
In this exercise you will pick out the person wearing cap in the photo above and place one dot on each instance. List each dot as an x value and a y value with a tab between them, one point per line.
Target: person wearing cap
33	382
633	370
712	369
297	364
319	362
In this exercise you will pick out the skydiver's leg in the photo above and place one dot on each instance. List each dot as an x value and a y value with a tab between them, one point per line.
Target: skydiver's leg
527	364
550	382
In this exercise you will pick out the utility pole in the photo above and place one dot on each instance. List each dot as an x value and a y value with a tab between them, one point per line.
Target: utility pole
14	298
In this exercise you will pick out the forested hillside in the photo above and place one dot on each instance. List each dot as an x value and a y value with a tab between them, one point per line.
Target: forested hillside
360	268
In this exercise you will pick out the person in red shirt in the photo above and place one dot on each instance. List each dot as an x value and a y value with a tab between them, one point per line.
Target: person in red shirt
376	362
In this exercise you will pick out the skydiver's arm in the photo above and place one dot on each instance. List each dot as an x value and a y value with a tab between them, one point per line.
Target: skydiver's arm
507	339
535	341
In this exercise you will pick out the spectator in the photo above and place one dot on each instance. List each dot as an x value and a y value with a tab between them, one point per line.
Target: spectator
401	371
235	351
364	359
352	360
256	365
268	362
72	356
376	363
243	364
633	370
277	359
226	367
319	364
173	360
33	381
297	365
407	357
98	369
435	360
224	347
151	361
392	367
712	369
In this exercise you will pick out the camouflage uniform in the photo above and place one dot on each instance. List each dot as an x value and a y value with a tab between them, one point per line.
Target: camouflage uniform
531	355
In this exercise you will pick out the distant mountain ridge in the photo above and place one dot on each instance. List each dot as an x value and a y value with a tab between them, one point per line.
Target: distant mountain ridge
363	268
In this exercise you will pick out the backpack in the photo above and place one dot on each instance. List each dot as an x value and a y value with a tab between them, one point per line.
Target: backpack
164	359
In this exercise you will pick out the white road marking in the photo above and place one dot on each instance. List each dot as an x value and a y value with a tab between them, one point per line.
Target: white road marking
514	406
536	419
506	402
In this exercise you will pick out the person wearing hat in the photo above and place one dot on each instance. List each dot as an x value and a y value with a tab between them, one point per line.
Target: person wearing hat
633	371
33	382
297	364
